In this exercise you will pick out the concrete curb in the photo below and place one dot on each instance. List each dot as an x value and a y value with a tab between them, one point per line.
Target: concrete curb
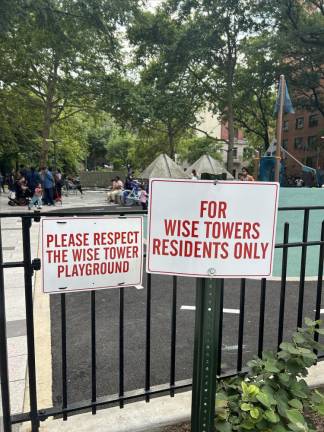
146	417
134	417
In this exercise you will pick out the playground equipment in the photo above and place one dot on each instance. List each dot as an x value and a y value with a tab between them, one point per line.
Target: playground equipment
268	164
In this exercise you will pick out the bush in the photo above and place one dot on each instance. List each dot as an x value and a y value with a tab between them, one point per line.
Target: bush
273	397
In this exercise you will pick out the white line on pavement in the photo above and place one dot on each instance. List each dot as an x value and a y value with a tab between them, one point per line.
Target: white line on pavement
229	311
231	347
321	311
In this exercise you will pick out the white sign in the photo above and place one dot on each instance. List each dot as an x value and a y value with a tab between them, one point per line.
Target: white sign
207	229
87	253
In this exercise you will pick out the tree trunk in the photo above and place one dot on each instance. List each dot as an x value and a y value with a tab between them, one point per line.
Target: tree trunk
46	131
48	114
171	143
230	122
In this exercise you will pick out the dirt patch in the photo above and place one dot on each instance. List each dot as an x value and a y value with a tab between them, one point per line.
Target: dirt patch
318	422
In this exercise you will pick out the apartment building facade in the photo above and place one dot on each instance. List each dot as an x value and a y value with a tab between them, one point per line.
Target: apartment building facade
303	137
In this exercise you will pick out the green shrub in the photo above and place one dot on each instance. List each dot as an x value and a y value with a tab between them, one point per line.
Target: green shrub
273	396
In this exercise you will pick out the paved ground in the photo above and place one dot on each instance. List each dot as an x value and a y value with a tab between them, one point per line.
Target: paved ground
78	329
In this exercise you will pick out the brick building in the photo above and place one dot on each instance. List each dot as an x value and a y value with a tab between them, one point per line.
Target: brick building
303	137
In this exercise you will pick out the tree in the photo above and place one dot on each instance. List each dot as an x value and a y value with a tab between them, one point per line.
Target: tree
254	97
19	128
158	103
56	52
212	37
192	148
301	44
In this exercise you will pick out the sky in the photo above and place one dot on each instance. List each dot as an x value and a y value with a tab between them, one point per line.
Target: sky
152	4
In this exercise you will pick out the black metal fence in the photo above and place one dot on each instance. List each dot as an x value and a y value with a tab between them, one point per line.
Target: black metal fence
35	415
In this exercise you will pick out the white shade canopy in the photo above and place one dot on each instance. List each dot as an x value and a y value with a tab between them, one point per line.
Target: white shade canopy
207	164
163	167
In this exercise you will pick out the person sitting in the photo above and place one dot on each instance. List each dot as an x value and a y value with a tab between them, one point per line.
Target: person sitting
131	188
194	175
116	191
246	175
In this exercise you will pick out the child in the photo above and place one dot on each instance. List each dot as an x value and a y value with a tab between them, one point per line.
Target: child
37	198
143	198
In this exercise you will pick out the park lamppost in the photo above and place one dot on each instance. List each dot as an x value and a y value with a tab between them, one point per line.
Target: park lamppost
54	145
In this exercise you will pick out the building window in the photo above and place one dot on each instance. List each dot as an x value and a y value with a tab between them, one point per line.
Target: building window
299	123
299	143
313	120
235	152
311	141
285	144
286	126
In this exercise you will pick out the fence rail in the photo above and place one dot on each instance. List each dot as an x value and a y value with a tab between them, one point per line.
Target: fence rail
30	265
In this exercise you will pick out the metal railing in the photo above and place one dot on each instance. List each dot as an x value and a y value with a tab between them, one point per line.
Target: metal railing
35	415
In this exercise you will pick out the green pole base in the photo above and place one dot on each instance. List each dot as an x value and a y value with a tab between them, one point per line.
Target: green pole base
208	313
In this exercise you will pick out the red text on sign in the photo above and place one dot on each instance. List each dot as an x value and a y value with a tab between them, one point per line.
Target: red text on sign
213	209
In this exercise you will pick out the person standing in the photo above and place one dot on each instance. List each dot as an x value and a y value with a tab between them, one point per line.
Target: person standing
1	182
37	198
58	184
11	181
33	179
48	181
143	198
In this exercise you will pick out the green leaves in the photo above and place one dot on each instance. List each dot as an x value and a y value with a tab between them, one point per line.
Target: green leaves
272	398
271	416
266	400
295	403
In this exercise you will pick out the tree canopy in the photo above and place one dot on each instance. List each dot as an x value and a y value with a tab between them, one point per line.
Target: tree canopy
110	81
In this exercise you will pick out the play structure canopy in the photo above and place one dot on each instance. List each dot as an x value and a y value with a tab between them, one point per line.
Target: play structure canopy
163	167
209	165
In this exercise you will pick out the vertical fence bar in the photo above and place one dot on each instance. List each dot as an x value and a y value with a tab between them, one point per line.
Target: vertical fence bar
28	277
319	284
173	333
148	338
241	326
220	334
4	375
121	346
63	348
261	317
303	270
93	352
283	285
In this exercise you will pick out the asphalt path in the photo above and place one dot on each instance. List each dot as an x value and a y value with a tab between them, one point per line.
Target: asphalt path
107	331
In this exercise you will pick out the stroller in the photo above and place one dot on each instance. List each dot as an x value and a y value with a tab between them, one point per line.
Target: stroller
21	200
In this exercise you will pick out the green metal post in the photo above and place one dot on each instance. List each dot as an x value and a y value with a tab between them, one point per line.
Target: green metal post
208	313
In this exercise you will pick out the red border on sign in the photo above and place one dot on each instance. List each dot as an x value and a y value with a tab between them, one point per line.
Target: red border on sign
96	288
201	182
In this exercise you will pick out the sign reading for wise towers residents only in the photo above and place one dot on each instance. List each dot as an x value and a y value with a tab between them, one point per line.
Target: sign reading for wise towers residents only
211	229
